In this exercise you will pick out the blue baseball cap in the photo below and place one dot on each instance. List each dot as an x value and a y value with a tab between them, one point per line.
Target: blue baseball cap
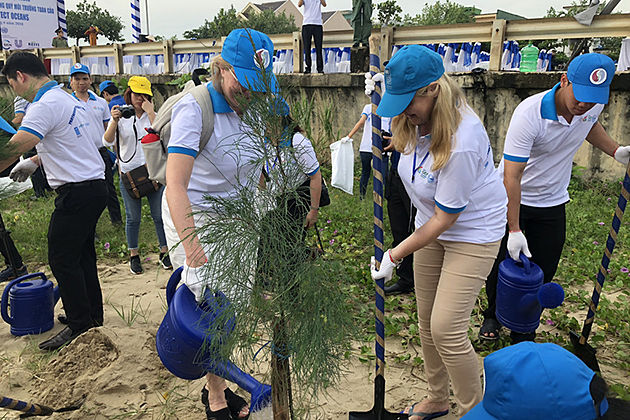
4	125
247	58
591	75
411	68
79	68
104	85
536	381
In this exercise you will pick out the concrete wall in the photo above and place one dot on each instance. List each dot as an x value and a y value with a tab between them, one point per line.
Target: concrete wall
492	95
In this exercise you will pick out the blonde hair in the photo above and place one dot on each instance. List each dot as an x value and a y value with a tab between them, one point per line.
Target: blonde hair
445	118
218	64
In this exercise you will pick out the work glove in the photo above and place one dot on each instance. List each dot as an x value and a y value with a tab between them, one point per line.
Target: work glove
23	170
516	244
387	267
622	154
370	83
194	279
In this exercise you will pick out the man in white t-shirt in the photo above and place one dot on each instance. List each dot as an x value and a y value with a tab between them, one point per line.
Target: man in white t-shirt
545	132
312	27
80	82
63	133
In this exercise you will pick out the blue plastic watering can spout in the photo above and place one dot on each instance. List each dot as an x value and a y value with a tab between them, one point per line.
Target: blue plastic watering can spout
260	393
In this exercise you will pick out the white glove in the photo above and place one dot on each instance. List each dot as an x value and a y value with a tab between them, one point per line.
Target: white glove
23	170
370	82
387	267
516	244
622	154
196	282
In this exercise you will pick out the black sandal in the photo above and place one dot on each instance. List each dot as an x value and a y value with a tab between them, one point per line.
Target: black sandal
489	326
235	405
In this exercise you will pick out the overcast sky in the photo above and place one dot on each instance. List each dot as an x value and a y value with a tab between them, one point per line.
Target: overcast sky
173	17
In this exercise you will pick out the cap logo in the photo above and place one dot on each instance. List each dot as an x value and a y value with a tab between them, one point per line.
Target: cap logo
388	78
261	56
598	76
78	65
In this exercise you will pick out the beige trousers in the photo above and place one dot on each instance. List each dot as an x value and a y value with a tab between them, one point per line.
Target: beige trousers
448	277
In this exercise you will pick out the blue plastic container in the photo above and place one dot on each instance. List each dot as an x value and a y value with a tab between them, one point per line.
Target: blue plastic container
183	332
31	299
518	306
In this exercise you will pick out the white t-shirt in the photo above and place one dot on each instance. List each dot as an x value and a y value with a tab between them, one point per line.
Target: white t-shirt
547	142
229	160
312	12
67	149
366	139
131	154
299	163
99	111
468	184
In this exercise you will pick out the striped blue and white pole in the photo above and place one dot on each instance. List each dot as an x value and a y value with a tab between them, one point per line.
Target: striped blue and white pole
61	17
136	28
377	164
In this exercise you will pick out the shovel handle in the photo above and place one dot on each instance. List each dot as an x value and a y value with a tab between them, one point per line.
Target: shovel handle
25	407
602	275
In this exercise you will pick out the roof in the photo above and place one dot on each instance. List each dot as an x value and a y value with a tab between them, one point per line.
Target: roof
502	14
272	5
327	15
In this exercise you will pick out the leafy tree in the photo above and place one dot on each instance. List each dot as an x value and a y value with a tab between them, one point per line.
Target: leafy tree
389	13
227	20
442	13
90	14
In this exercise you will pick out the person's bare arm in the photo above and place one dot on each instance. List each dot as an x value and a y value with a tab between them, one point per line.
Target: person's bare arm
358	125
323	2
20	143
316	192
512	175
599	138
300	3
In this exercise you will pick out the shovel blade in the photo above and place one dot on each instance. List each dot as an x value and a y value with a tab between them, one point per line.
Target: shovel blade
378	412
585	352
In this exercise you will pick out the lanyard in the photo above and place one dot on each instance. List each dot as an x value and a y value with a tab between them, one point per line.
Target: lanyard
414	169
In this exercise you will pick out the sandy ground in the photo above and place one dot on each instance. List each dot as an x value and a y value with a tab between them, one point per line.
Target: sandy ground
116	369
117	372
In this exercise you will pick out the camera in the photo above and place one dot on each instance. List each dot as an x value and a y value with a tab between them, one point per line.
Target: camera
127	111
384	134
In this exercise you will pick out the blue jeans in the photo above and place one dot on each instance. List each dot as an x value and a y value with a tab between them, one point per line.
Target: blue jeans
133	213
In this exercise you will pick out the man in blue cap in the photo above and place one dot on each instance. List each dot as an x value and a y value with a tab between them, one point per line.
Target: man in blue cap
109	92
545	132
80	82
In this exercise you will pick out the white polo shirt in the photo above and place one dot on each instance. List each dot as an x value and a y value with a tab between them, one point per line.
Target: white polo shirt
312	12
547	142
228	162
468	184
67	149
99	111
366	139
299	163
131	153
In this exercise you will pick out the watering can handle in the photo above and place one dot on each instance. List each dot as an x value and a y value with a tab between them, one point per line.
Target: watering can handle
5	294
173	281
526	263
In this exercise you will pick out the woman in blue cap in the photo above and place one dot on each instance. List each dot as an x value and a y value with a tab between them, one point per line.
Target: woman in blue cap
447	168
245	65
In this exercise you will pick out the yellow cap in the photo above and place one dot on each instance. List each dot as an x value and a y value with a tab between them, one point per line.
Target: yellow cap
139	84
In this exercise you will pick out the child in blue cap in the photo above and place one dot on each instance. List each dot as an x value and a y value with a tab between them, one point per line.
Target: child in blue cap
244	66
531	381
545	132
447	169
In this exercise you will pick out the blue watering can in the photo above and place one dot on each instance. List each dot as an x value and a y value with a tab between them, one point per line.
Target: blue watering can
181	339
32	300
521	295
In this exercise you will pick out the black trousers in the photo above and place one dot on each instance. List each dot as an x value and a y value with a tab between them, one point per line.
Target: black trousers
71	252
113	206
545	230
401	220
317	32
12	257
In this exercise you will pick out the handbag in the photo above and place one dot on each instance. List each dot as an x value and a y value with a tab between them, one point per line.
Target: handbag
136	181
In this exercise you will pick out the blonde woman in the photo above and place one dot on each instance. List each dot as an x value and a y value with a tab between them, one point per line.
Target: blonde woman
448	171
